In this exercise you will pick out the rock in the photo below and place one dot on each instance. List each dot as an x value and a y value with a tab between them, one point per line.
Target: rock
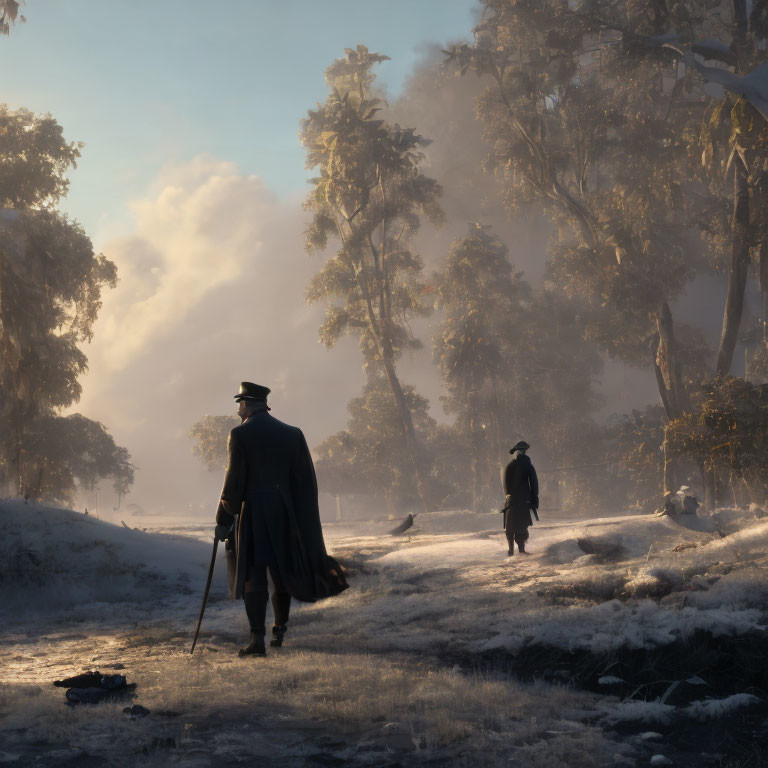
660	760
136	711
603	547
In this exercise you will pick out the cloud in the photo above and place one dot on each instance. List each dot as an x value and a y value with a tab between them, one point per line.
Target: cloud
203	227
211	293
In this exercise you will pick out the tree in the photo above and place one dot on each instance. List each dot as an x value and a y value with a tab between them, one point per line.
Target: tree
733	141
370	196
635	443
728	436
578	123
514	364
482	301
210	435
35	159
50	286
727	136
9	14
60	454
368	458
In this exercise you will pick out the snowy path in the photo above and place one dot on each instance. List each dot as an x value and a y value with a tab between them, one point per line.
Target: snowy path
378	676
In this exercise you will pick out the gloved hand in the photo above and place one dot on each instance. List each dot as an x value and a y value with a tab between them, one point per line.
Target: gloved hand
223	532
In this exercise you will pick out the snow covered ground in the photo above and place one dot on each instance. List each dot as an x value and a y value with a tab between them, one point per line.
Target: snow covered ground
443	651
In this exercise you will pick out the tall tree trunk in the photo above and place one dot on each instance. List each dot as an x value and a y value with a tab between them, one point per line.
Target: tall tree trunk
477	480
409	430
738	271
668	374
708	484
18	450
739	266
669	478
764	280
672	391
479	446
379	328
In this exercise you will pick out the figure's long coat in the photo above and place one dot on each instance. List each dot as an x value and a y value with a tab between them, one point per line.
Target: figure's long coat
522	486
270	481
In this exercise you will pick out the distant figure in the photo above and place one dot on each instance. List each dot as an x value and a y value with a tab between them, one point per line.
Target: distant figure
521	487
86	511
270	491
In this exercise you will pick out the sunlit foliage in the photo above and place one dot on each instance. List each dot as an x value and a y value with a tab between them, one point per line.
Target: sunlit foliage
209	440
514	364
50	296
727	435
61	454
369	197
368	457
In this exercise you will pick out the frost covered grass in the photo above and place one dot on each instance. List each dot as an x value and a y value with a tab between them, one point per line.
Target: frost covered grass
362	703
356	691
443	650
55	560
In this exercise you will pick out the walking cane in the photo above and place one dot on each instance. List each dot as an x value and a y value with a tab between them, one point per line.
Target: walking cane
205	594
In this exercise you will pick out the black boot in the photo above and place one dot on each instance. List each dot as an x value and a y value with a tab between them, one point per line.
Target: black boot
255	609
278	633
281	604
255	647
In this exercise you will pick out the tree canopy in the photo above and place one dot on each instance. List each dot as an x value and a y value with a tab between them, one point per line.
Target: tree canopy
369	198
50	295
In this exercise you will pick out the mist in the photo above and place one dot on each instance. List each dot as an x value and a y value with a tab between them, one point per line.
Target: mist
211	292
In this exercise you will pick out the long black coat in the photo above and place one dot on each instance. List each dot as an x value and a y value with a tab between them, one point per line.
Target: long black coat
270	481
522	487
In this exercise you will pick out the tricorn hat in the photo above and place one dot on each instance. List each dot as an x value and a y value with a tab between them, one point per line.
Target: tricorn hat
521	445
251	391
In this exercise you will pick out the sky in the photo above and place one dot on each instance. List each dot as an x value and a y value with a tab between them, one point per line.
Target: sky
191	180
144	84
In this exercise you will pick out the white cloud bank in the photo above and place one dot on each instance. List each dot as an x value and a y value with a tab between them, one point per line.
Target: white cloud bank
203	228
211	292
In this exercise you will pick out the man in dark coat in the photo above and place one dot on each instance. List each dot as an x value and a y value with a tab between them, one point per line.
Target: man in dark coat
269	506
521	487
